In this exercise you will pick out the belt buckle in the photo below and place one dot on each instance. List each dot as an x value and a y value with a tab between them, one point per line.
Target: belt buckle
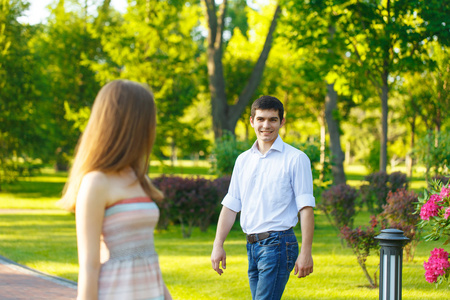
251	238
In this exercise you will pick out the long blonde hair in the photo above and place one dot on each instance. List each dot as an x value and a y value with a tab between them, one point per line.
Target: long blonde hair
120	133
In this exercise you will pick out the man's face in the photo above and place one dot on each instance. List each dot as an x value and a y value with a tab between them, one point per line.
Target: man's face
266	123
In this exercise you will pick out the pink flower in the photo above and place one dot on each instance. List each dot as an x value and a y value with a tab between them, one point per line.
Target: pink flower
439	253
437	265
435	198
445	192
430	208
447	213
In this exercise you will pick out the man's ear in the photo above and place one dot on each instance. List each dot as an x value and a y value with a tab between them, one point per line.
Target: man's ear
282	122
251	121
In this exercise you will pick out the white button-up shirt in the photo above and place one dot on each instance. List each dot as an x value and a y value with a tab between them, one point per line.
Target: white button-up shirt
270	189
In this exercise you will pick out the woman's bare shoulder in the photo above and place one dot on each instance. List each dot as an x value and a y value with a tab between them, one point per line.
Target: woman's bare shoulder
96	177
95	182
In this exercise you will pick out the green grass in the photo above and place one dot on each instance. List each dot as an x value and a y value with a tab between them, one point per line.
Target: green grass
45	240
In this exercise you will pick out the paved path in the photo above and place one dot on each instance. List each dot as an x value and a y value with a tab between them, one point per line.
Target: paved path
21	282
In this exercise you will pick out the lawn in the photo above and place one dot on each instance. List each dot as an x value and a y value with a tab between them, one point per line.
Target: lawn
45	240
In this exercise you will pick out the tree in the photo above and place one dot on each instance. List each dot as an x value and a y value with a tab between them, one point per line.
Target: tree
224	115
153	43
21	130
70	85
387	38
314	29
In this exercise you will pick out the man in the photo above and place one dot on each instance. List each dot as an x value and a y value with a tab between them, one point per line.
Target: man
270	184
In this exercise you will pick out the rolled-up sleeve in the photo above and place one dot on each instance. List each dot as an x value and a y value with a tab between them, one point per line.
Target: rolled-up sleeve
303	182
232	199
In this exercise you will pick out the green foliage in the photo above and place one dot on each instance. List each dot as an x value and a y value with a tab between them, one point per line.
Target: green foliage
14	167
21	113
224	154
433	150
312	150
152	43
79	119
372	160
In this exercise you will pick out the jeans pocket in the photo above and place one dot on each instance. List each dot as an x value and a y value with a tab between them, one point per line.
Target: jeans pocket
291	255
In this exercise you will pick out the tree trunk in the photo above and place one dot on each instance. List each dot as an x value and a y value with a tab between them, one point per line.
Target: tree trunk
385	92
363	267
286	106
323	132
225	116
337	155
409	159
348	155
384	123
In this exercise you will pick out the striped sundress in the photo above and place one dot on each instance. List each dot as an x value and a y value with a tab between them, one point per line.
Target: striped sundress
132	269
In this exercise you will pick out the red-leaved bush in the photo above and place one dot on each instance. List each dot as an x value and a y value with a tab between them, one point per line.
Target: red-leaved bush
338	205
189	201
379	185
362	241
399	213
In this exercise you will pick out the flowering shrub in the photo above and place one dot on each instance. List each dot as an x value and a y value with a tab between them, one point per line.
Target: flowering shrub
434	211
430	208
362	242
437	267
399	213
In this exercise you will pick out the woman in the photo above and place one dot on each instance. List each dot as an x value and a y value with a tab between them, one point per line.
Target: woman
112	196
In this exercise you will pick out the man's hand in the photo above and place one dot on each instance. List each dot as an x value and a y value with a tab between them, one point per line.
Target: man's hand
303	265
218	255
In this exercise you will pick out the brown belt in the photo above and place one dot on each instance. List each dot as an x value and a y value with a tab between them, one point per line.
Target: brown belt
253	238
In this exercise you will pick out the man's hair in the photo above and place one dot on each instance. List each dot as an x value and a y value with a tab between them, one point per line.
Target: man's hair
268	103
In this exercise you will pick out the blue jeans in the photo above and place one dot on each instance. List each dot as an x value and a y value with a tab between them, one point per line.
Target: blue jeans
270	261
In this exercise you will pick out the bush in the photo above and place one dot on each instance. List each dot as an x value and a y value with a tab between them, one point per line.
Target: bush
12	168
224	154
188	201
441	178
434	211
433	150
380	184
362	242
312	150
399	213
338	205
372	158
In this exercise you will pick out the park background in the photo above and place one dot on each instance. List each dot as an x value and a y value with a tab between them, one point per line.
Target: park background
365	86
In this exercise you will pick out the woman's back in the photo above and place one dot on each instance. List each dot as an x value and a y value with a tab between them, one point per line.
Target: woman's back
132	269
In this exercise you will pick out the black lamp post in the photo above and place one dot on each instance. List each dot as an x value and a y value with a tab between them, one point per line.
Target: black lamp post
391	260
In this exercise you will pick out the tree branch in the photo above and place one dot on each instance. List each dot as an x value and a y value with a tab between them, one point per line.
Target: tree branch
257	72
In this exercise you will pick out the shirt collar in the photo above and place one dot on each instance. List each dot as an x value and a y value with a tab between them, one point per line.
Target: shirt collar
278	145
